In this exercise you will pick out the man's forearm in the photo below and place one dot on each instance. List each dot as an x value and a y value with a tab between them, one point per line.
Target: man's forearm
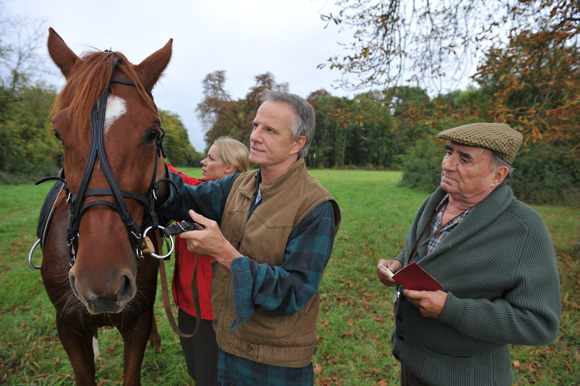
163	186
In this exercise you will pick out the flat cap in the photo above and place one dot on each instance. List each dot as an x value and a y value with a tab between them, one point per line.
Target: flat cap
497	137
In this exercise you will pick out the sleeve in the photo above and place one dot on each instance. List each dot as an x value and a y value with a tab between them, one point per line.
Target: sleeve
208	199
529	312
286	289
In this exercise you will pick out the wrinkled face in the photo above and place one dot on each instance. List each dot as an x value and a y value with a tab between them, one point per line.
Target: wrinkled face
213	166
271	141
466	172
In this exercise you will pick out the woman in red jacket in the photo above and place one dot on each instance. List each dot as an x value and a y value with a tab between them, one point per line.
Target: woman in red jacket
226	156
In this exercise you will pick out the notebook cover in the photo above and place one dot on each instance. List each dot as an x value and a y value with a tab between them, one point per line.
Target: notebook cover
413	277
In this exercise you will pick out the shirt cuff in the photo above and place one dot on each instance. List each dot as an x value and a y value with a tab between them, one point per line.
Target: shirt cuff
242	281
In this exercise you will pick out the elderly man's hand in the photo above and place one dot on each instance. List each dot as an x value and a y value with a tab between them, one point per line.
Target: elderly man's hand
429	303
384	277
210	241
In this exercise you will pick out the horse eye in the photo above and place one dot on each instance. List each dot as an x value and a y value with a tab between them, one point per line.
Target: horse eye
57	135
152	136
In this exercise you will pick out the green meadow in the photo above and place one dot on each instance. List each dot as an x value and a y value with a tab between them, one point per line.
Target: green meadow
355	317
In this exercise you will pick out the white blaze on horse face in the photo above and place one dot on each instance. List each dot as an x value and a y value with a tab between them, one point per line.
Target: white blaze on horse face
115	109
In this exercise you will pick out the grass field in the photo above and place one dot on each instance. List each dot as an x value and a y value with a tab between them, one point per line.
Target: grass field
355	318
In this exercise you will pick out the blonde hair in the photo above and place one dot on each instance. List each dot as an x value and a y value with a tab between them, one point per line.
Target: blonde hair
234	153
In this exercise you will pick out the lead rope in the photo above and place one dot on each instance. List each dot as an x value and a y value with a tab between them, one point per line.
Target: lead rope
167	303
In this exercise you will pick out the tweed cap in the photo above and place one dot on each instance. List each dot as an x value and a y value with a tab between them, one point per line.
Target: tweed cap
497	137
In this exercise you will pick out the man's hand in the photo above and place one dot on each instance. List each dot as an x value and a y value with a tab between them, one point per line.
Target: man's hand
384	277
429	303
210	241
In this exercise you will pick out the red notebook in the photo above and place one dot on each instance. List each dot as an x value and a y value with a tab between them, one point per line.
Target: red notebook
413	277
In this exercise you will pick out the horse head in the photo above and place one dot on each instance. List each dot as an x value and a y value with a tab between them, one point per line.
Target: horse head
111	134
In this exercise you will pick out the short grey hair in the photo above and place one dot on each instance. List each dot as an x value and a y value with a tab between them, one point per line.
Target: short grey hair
305	120
496	162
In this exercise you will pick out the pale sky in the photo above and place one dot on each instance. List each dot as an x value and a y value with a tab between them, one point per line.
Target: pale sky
243	37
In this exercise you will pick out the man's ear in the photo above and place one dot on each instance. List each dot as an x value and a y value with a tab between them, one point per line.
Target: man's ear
499	175
298	144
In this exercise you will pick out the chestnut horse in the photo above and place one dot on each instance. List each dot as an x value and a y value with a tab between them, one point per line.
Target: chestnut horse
94	268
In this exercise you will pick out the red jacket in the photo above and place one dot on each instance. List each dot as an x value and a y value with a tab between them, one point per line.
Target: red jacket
183	271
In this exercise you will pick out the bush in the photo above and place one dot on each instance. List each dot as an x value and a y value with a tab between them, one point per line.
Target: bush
545	176
422	165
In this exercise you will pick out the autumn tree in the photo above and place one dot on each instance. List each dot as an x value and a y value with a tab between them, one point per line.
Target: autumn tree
527	57
534	84
20	42
28	150
433	43
523	47
221	115
409	107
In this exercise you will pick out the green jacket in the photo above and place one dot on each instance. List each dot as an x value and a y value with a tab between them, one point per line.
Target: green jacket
499	269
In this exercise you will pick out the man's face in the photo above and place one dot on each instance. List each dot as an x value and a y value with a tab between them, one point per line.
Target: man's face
271	141
466	172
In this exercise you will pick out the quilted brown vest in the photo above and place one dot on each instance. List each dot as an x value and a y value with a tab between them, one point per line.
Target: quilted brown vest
288	341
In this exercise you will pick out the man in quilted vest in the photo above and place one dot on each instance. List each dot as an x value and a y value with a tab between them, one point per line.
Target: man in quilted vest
496	262
277	231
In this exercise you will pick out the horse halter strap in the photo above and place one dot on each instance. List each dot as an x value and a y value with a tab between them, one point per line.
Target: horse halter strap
76	202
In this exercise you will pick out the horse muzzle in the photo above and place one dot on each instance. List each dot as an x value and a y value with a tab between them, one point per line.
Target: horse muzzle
104	299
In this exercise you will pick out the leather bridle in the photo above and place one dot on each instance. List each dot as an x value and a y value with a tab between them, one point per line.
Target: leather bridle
76	202
137	235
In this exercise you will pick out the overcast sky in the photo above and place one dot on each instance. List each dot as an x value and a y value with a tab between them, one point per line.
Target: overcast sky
243	37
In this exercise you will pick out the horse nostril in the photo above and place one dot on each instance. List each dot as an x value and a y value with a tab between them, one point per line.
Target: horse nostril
73	285
127	289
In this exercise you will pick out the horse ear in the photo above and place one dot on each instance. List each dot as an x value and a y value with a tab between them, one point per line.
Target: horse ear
150	69
60	53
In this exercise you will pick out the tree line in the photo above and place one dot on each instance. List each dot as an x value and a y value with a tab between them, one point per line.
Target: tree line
392	129
29	149
528	80
395	129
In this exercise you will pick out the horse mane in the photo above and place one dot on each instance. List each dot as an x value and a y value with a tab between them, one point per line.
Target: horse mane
88	81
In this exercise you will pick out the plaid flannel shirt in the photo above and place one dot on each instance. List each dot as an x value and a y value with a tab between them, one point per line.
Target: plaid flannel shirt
281	290
441	234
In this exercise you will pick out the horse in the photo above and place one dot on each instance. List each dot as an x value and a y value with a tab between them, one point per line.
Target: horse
96	268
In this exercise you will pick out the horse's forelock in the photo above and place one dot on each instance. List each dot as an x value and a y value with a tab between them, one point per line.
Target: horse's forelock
87	82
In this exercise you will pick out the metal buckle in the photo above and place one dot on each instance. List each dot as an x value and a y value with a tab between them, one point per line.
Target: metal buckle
155	255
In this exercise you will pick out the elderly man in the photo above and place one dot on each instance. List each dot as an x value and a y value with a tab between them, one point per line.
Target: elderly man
496	262
277	231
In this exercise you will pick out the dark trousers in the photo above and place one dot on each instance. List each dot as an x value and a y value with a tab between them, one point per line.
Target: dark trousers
409	379
200	351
